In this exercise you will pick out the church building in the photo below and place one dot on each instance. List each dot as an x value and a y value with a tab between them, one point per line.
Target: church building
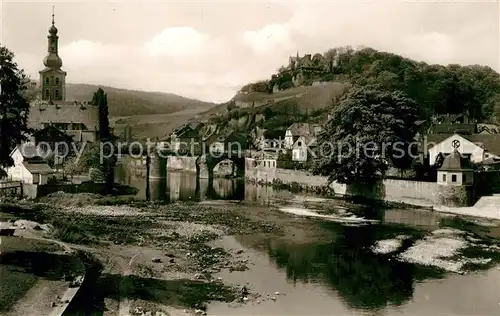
51	112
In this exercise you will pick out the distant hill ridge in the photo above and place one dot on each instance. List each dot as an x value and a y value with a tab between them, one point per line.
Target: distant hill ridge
125	102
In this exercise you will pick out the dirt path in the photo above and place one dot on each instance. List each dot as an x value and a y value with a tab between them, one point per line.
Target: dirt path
37	301
124	306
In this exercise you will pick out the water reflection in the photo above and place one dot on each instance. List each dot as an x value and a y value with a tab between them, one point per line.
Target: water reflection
420	218
183	187
347	265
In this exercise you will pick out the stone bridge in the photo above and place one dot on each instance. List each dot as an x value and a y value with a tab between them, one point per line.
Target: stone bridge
206	163
156	171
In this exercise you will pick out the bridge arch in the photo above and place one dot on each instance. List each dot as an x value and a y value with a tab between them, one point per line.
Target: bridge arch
206	163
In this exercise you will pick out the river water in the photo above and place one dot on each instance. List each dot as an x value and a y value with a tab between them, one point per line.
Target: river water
336	273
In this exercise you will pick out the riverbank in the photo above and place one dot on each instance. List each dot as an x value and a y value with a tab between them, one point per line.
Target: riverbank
39	277
487	207
155	257
174	259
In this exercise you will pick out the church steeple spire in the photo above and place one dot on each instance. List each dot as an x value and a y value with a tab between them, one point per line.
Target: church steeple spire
52	60
52	78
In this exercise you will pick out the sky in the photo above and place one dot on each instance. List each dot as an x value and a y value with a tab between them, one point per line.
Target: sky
209	49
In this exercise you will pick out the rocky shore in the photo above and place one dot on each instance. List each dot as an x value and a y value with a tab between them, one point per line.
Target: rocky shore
155	258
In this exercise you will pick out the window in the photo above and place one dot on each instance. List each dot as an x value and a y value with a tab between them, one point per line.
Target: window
57	80
299	144
47	80
47	93
44	147
444	178
453	178
57	94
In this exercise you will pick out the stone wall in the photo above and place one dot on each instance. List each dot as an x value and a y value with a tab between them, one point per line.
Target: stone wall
257	172
85	187
30	190
405	191
305	178
487	182
411	192
10	188
182	163
455	196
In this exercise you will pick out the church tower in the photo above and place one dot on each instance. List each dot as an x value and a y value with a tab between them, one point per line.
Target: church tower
52	78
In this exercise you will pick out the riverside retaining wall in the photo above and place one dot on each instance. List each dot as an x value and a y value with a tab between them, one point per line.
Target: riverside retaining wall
404	191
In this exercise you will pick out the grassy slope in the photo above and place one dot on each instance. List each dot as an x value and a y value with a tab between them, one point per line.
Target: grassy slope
124	102
150	114
307	98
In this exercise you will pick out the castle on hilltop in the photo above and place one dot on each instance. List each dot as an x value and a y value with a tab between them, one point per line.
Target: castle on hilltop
308	63
51	111
309	67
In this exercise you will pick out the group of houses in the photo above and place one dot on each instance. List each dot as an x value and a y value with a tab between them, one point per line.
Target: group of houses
447	134
297	139
197	138
464	146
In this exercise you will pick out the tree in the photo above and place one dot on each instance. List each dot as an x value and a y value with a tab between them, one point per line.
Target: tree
100	99
369	129
89	159
14	106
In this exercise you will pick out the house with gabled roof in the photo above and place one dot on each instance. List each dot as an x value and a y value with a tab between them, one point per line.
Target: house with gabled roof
478	147
30	164
302	147
301	129
186	137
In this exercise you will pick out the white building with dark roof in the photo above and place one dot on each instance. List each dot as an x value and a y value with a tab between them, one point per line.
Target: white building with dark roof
30	165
